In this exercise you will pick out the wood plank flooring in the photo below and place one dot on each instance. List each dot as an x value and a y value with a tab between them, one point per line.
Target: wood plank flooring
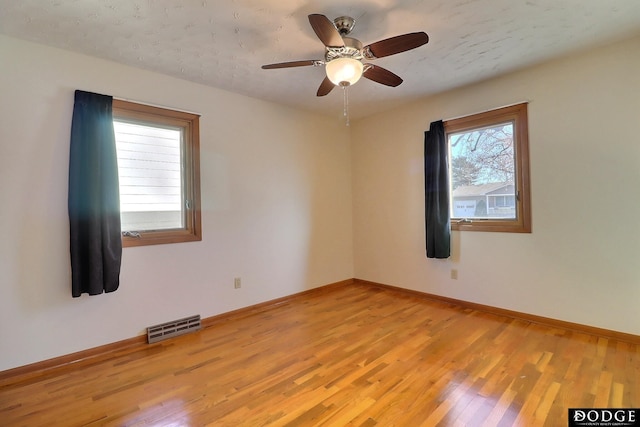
352	356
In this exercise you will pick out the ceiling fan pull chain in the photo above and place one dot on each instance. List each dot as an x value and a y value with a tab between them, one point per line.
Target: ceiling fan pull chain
346	104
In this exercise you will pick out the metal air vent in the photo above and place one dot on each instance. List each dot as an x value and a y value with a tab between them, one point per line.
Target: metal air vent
173	329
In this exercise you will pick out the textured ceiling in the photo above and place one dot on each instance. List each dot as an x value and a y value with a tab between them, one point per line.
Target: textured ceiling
223	43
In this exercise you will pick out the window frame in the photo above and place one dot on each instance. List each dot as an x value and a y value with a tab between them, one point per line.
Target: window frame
517	114
190	146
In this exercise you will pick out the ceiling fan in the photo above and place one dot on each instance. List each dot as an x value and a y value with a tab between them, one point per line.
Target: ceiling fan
344	56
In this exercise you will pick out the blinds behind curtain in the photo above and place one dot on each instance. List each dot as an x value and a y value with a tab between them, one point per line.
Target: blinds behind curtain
436	177
94	202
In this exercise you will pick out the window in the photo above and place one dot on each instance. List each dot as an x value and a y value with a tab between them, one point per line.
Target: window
159	174
489	171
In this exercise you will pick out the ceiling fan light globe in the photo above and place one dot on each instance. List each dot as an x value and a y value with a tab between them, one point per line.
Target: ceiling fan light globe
344	71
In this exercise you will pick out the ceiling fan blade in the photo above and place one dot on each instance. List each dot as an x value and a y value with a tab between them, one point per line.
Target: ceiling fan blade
325	87
380	75
289	64
394	45
325	30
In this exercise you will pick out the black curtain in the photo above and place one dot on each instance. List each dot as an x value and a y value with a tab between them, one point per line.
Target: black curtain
436	194
94	199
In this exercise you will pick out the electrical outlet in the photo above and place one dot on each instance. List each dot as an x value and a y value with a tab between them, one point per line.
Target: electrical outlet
454	274
237	283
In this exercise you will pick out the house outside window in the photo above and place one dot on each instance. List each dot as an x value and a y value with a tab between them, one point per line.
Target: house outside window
493	200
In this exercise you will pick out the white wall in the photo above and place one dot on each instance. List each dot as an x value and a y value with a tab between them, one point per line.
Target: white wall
276	197
582	261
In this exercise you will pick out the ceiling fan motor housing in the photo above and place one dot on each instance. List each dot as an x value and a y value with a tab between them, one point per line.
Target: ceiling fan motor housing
352	49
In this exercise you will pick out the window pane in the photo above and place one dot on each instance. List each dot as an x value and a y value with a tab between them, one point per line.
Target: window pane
482	173
149	167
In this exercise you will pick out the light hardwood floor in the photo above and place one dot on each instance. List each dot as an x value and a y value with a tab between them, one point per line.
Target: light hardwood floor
353	355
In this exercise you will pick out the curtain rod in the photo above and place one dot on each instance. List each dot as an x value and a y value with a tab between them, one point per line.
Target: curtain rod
487	110
156	105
